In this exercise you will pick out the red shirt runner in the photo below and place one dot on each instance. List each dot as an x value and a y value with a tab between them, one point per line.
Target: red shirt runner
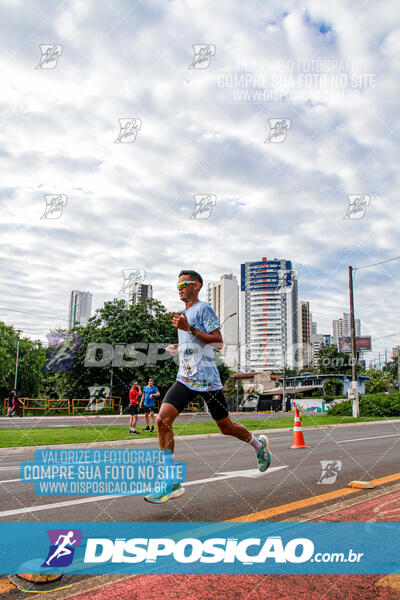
134	396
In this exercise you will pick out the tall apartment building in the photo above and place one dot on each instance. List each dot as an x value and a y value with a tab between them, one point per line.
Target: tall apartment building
341	328
304	325
80	308
268	315
223	296
317	341
139	292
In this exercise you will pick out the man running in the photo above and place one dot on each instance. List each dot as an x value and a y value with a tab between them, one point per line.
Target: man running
133	408
199	333
150	392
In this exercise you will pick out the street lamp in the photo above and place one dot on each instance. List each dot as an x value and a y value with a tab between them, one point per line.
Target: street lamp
226	318
232	315
19	331
237	395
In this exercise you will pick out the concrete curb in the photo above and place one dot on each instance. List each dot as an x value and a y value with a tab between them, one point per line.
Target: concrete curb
202	436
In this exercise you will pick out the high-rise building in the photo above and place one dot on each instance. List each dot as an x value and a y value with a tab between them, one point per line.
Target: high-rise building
268	315
80	308
304	334
139	292
223	296
327	339
341	328
317	341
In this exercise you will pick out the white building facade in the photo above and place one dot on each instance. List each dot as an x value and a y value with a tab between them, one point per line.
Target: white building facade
223	296
268	315
80	308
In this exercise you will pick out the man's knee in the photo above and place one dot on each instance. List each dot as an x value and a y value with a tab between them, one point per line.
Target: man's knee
163	424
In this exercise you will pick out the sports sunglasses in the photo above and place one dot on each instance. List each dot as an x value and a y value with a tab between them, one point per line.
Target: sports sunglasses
182	284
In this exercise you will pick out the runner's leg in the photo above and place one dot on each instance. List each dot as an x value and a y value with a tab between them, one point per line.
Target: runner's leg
165	418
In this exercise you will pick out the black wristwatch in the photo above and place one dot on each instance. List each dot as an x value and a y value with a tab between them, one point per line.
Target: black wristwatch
192	329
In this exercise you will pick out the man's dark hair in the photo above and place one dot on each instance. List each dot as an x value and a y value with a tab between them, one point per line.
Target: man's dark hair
194	275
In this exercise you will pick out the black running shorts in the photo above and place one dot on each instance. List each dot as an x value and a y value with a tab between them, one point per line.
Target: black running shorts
179	396
133	409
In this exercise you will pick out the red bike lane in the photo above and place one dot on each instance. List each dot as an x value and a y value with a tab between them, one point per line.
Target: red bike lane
270	587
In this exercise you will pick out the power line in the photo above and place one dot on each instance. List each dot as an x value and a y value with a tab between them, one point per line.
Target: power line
375	264
33	313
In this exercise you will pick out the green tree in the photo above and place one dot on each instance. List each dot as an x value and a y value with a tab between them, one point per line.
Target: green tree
380	381
330	360
332	388
32	357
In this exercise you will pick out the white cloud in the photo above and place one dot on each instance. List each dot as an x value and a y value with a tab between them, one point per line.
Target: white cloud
129	204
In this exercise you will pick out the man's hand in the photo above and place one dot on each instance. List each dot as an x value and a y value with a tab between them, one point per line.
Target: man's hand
180	322
172	349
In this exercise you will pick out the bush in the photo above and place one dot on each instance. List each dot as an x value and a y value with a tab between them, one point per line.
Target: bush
371	405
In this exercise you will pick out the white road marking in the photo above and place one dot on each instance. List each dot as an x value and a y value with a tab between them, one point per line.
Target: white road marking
229	475
375	437
9	480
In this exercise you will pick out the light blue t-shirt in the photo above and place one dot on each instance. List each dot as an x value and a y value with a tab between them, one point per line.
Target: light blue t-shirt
147	391
197	369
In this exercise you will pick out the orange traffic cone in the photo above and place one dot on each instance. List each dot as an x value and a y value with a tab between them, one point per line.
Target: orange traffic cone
298	437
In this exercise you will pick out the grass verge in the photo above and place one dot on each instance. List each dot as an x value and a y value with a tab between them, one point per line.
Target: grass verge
105	433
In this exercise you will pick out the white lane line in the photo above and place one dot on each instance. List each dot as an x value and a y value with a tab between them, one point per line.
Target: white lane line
229	475
9	468
9	480
253	473
375	437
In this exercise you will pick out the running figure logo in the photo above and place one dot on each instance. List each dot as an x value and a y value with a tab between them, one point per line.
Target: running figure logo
131	276
330	471
286	279
50	53
203	205
63	347
128	129
203	54
358	204
278	129
61	551
55	204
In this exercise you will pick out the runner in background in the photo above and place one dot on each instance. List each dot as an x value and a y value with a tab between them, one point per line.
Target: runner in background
150	392
133	408
11	397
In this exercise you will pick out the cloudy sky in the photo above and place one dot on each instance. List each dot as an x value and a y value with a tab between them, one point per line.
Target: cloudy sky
328	72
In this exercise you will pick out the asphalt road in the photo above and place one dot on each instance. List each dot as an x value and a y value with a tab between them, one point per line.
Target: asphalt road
216	490
37	422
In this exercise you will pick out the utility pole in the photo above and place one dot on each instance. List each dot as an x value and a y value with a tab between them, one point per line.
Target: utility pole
19	331
353	390
398	368
284	381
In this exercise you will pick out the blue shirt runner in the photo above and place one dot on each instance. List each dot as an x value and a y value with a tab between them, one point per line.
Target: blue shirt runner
147	391
197	369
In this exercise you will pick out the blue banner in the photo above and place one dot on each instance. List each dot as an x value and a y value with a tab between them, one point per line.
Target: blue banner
58	472
200	548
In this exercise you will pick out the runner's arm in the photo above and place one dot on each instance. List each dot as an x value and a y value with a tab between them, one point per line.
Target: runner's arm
214	338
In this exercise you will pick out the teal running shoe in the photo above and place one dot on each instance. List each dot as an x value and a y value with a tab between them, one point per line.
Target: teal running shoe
176	492
263	455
